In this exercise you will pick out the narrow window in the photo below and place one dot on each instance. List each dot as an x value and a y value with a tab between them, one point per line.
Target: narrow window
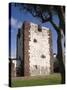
36	66
39	28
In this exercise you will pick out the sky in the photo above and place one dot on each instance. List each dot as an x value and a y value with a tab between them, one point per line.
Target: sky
18	17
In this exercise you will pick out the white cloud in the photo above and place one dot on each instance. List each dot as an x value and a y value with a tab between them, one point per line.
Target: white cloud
15	23
19	24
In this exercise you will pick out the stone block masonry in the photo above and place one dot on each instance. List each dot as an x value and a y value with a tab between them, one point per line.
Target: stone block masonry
36	50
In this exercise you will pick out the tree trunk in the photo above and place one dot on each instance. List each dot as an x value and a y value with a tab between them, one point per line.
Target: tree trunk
60	57
60	54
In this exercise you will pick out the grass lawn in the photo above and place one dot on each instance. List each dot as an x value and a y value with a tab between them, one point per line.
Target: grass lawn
52	79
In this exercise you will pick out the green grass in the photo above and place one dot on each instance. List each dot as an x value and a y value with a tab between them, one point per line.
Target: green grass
37	81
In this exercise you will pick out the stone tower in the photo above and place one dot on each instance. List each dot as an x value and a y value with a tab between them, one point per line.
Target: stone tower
34	50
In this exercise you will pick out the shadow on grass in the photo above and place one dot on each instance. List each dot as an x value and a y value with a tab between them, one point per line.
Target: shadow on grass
53	79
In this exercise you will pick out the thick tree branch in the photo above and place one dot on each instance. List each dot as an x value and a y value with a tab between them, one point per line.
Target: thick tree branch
61	15
55	26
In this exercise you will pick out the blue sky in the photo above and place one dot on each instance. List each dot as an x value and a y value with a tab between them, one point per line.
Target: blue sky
18	17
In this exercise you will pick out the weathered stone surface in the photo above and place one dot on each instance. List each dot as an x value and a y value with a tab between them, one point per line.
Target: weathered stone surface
26	48
36	50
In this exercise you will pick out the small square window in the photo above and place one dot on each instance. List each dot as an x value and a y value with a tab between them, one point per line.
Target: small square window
35	40
43	56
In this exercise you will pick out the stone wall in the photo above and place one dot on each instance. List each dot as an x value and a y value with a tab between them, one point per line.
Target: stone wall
13	68
36	49
40	50
26	39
